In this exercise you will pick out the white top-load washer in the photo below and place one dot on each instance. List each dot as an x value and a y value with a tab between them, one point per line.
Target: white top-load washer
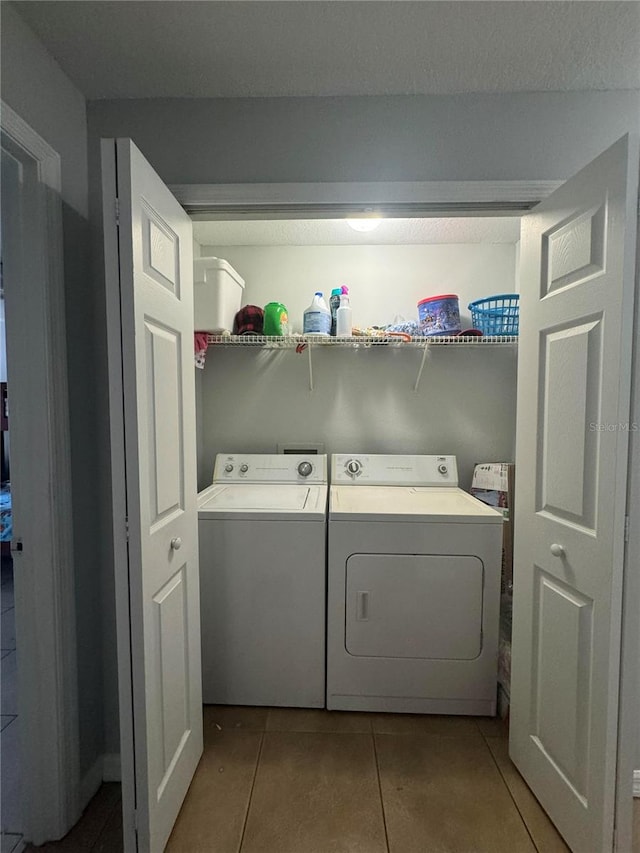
262	531
413	588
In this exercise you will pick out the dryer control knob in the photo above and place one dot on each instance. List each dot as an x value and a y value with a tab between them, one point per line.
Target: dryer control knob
305	468
244	468
228	467
443	469
353	467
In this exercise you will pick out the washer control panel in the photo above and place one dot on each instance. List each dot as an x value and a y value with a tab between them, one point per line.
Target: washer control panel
390	470
269	468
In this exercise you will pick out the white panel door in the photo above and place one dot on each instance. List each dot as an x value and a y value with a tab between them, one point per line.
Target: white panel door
159	613
577	280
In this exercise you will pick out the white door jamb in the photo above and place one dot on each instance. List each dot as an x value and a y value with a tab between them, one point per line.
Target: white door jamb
45	582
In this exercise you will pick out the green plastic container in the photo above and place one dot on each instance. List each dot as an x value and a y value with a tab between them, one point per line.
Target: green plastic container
276	319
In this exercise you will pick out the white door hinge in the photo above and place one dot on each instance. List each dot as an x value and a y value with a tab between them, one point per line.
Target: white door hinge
126	527
117	211
627	524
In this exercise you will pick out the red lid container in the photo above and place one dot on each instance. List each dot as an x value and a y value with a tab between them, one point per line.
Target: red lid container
436	298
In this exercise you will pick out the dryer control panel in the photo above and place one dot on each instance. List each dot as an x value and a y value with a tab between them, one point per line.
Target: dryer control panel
269	468
391	470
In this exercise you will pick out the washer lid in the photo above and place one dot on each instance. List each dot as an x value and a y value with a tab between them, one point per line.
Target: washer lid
262	501
398	503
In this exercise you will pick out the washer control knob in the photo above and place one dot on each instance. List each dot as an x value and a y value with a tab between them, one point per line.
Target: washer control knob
354	467
244	468
228	467
443	468
305	468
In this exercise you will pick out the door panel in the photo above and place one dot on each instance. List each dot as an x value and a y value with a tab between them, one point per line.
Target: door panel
562	678
573	250
569	386
160	250
163	412
151	344
574	372
172	643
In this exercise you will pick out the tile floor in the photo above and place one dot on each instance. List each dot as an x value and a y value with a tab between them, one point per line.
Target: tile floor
299	781
289	781
10	771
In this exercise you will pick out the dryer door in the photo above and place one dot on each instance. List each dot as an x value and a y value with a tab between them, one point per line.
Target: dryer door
414	606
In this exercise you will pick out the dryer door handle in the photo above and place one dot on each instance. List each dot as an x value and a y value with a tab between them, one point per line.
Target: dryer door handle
362	605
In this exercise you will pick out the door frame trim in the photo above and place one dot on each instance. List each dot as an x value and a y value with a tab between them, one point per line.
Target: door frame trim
47	691
628	758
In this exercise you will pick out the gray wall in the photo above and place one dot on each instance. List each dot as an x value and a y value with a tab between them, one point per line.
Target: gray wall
363	402
462	137
427	138
363	399
37	89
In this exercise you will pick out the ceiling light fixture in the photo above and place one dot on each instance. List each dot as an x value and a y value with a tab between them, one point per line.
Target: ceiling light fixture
368	222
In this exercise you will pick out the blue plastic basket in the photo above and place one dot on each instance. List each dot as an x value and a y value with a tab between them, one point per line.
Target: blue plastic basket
496	315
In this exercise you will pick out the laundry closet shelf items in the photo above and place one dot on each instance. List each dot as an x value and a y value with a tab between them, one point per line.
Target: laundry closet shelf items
302	343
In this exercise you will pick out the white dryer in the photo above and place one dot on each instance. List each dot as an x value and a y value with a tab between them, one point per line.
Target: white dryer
413	588
262	532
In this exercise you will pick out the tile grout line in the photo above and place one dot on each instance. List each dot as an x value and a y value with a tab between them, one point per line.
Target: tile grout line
253	784
513	799
384	816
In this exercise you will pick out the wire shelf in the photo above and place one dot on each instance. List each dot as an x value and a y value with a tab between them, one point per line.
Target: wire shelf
300	341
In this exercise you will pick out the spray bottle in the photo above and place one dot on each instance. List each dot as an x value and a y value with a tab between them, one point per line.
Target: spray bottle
344	322
334	304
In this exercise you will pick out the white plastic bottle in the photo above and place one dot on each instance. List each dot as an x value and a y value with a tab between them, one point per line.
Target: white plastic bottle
344	322
317	317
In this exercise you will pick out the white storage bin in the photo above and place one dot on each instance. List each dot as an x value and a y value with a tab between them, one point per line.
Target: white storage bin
217	294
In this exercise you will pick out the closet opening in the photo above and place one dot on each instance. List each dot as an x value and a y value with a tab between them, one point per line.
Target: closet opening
351	395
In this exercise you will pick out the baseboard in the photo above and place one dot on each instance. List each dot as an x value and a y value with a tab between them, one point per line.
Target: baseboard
636	783
91	781
111	767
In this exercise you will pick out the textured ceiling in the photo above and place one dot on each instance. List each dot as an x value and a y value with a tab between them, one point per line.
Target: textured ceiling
258	49
336	232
